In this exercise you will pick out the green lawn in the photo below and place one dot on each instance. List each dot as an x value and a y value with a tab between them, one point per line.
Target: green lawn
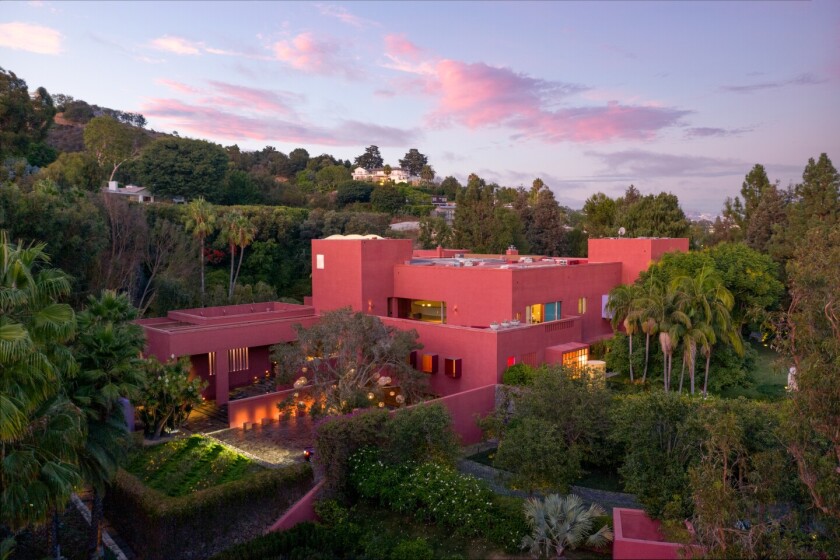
187	465
768	377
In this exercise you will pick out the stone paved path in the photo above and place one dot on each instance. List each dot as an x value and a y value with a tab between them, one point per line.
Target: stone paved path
495	479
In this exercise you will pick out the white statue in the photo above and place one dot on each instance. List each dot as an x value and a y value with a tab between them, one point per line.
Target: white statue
791	383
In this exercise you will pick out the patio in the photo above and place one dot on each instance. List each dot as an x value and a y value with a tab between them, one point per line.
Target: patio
275	444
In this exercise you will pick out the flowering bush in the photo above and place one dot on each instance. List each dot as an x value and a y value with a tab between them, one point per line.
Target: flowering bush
168	396
437	493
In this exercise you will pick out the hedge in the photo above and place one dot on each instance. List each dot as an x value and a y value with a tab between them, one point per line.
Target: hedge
199	524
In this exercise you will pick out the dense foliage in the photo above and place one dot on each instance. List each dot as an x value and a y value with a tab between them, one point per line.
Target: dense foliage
415	433
348	359
198	524
168	395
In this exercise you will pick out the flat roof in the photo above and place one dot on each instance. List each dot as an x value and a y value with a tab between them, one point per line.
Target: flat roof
227	316
498	263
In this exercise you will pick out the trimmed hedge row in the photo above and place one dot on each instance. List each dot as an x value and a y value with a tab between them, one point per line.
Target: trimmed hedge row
199	524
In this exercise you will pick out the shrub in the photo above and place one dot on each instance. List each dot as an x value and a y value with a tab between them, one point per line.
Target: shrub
661	437
436	493
337	438
168	395
421	432
415	433
191	526
556	422
415	549
518	374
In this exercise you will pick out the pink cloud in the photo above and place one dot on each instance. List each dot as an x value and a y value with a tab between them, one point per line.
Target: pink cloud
259	100
208	121
342	14
398	45
309	54
177	45
477	95
31	38
176	86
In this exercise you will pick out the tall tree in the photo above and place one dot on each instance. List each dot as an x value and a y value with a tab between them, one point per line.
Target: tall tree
371	159
544	229
816	203
24	118
600	212
239	232
343	357
621	305
183	167
112	143
414	161
40	430
427	174
474	215
810	334
200	220
766	218
107	351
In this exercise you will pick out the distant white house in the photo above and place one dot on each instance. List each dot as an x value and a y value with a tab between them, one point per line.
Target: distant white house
132	192
377	175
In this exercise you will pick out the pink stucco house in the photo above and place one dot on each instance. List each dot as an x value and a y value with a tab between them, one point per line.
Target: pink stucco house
475	314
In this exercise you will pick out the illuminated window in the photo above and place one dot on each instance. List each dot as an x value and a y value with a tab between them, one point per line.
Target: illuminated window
211	363
429	363
238	359
581	305
428	311
511	361
576	359
544	312
319	262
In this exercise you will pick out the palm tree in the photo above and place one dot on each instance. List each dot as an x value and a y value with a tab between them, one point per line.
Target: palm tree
40	429
200	221
107	351
673	326
708	303
649	312
559	522
238	232
620	307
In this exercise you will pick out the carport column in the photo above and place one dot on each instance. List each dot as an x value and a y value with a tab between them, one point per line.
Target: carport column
222	382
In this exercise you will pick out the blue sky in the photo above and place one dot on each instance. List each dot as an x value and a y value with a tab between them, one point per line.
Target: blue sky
591	96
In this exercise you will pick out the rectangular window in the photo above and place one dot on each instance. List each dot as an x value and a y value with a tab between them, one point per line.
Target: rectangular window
581	305
576	359
429	363
319	262
544	312
452	367
238	359
211	363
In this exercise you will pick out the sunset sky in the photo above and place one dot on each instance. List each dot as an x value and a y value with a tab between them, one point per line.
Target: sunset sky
593	96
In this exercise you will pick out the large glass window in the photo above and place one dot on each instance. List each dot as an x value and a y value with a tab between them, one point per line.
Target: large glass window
544	312
428	311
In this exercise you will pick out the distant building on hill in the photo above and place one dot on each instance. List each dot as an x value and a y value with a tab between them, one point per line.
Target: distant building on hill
132	192
377	175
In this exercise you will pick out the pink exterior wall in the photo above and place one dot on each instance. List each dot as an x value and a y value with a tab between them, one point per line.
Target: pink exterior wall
302	510
254	409
484	352
637	536
465	408
357	272
196	332
634	254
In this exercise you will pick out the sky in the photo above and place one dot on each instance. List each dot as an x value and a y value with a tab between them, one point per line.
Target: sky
683	97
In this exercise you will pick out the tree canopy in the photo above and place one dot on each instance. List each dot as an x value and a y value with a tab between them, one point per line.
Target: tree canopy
183	167
414	161
371	159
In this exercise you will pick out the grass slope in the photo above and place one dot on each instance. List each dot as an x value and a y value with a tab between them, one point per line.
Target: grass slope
187	465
